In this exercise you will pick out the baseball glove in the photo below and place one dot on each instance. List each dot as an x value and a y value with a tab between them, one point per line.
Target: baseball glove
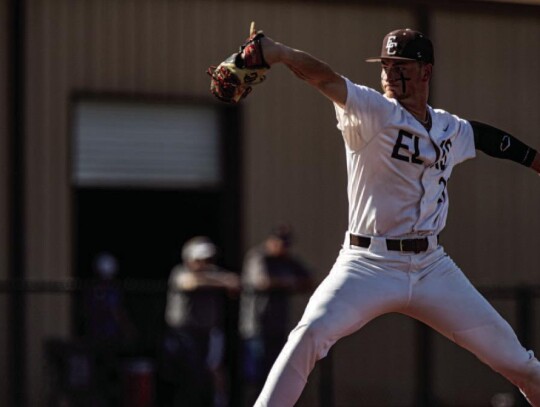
232	79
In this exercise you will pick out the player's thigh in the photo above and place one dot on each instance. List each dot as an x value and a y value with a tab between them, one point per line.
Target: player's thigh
355	292
445	299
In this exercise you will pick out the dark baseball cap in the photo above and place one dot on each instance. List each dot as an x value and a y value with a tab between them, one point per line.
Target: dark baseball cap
406	44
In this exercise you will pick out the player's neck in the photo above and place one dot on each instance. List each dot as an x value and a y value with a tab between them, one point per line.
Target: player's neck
422	114
419	111
417	106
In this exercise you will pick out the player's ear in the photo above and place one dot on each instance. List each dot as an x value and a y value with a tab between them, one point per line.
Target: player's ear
427	71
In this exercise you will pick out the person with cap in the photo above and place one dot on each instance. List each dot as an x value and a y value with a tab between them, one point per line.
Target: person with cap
271	274
400	153
193	347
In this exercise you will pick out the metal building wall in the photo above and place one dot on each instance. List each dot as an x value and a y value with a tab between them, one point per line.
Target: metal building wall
294	161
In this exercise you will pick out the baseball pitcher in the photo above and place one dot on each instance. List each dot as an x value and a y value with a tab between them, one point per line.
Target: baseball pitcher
400	155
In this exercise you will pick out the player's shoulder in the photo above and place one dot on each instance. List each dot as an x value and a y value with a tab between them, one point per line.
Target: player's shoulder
361	88
361	95
443	114
451	124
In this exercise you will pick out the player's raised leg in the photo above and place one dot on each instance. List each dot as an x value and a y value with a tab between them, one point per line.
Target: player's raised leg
498	347
444	298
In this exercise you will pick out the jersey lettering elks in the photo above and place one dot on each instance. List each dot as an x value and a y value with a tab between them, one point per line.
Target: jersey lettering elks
397	170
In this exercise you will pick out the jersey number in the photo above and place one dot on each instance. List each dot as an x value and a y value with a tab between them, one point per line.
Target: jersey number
412	157
442	198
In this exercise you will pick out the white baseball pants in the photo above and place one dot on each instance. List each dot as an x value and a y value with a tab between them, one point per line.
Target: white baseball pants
366	283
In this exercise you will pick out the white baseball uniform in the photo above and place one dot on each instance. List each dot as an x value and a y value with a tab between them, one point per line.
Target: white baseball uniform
397	176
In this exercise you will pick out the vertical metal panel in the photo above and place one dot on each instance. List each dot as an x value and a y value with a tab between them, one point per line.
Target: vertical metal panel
4	199
16	338
4	159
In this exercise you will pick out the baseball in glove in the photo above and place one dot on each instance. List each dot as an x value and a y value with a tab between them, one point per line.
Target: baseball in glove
232	79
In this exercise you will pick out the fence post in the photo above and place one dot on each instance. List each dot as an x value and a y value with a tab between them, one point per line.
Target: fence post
16	325
525	315
326	392
424	374
524	330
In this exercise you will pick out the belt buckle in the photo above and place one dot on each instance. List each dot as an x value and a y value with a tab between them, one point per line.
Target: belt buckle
401	245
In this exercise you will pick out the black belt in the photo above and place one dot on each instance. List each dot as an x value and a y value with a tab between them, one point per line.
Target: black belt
398	245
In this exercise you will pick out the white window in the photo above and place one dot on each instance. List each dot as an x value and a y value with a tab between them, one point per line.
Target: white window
131	144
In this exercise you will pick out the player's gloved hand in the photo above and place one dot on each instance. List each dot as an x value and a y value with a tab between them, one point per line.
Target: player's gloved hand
232	79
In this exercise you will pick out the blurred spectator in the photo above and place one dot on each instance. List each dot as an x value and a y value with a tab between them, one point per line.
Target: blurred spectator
108	334
270	275
106	317
193	346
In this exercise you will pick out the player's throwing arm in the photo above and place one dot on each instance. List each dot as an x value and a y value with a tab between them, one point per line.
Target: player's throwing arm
232	79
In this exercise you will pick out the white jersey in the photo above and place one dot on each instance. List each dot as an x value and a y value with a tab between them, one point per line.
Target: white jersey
397	170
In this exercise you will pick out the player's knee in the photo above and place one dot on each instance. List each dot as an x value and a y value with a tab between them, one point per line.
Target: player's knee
521	371
315	334
497	345
525	376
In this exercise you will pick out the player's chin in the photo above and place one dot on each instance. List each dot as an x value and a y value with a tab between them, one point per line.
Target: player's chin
389	93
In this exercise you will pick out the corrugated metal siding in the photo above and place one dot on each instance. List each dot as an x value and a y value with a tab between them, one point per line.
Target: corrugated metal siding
294	162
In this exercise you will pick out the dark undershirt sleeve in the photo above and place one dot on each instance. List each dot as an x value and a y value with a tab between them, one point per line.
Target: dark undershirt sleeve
499	144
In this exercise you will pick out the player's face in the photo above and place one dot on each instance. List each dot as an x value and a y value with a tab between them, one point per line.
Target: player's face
401	79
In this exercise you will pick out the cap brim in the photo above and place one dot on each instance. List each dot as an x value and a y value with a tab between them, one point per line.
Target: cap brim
378	59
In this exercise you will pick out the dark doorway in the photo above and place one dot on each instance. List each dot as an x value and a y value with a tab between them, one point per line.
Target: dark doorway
145	231
144	225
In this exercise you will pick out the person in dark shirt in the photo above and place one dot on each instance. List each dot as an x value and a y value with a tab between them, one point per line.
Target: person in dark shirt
106	316
270	275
